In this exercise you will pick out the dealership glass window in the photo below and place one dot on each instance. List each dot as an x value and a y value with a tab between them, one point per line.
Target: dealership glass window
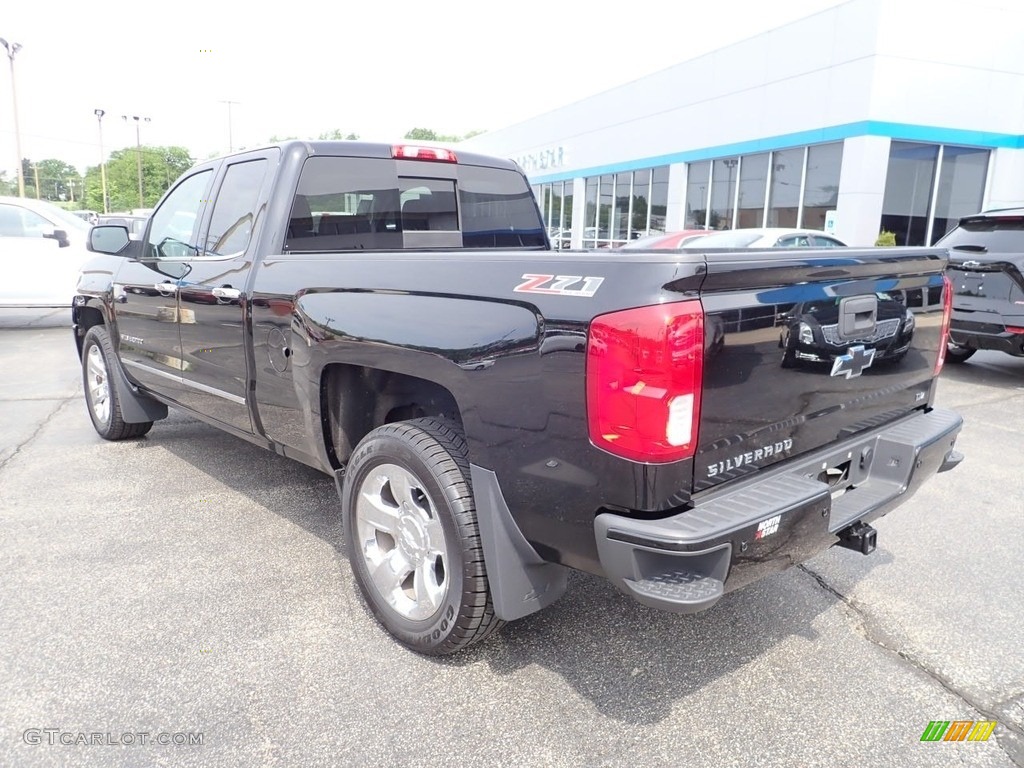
551	205
659	199
622	206
753	185
906	206
605	198
784	198
620	217
555	202
698	181
640	217
821	184
590	221
724	177
566	214
961	187
556	205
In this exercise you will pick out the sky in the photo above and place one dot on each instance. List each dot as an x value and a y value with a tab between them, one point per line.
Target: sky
372	69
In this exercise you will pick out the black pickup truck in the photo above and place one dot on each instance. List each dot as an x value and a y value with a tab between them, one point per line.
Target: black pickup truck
495	412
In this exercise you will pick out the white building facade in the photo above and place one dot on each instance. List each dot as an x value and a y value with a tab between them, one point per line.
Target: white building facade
897	115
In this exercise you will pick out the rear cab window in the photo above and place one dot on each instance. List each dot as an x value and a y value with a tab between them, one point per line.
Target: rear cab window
360	203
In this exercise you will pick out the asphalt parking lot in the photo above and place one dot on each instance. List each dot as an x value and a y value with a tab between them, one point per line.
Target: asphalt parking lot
189	583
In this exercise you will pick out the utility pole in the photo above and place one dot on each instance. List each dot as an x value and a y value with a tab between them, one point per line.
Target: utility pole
138	151
103	159
231	147
13	48
71	189
35	171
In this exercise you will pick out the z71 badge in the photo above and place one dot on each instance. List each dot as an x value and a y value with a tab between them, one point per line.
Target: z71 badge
560	285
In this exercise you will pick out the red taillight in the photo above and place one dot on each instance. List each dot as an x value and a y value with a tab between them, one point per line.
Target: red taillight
410	152
644	373
947	311
1014	329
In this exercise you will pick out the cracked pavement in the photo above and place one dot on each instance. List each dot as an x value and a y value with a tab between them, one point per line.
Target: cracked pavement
190	582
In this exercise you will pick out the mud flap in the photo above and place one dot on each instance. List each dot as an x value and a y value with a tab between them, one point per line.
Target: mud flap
521	581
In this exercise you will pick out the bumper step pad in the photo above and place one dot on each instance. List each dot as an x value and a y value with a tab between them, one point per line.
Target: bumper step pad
692	591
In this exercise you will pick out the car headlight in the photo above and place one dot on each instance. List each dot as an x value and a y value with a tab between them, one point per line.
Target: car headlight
805	334
909	321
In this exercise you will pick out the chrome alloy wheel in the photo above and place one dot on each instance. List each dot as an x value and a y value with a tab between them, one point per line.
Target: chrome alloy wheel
98	385
402	542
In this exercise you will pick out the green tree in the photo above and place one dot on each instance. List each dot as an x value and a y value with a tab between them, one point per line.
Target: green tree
58	180
337	135
429	134
422	134
161	166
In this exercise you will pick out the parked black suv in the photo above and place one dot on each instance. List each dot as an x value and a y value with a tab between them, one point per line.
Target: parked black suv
986	267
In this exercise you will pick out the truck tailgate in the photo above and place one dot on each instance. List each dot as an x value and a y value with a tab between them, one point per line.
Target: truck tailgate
805	348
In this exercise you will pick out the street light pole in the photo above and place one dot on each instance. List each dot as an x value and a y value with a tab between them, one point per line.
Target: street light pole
138	150
13	48
103	159
231	147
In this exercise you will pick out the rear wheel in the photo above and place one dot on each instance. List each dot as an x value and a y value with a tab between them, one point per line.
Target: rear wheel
956	354
412	536
100	393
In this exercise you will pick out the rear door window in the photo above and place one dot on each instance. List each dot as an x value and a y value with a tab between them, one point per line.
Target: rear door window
234	212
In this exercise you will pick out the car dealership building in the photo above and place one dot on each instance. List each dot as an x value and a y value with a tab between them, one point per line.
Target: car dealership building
898	115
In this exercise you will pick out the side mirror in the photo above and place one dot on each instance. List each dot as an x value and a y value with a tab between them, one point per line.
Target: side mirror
60	235
108	238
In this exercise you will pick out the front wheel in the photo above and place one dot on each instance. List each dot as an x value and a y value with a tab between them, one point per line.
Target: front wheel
411	531
98	361
956	354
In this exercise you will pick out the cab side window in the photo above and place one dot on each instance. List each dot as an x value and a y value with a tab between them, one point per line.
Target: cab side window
173	232
234	212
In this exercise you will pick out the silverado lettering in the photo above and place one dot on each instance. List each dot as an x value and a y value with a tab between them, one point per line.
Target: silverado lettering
749	457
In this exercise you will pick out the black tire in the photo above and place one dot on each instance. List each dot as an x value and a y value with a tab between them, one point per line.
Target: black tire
957	355
411	512
101	398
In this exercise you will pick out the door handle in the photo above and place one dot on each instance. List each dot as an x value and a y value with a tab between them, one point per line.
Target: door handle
226	292
166	287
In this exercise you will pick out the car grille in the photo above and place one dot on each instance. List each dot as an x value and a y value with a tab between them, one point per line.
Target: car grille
883	330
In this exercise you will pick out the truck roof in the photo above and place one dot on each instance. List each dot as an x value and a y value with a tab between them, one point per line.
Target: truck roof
345	148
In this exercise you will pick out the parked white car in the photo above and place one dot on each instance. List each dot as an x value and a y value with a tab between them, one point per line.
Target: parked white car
42	248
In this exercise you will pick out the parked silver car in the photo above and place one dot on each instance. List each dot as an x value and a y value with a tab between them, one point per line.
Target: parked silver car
766	237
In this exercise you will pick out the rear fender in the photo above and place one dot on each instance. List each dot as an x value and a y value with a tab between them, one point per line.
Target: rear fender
485	353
